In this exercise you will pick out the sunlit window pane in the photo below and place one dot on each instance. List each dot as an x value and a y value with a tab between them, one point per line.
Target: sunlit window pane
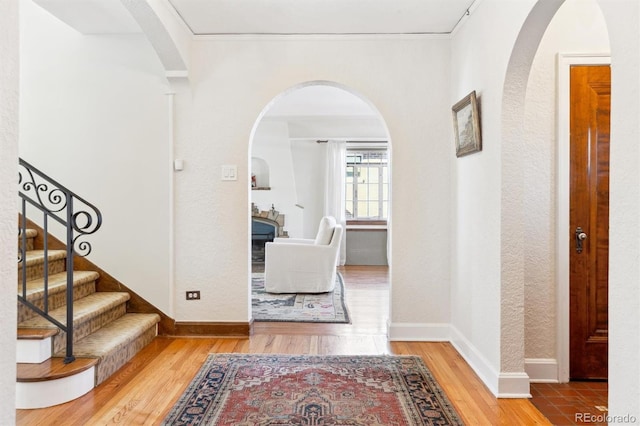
362	209
367	189
349	209
349	196
374	192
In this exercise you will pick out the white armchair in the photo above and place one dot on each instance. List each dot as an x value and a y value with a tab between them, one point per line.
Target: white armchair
304	265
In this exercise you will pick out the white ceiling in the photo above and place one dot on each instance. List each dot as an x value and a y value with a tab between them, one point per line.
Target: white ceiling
230	17
224	17
321	16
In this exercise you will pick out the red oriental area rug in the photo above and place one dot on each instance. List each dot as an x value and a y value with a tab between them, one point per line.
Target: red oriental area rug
284	390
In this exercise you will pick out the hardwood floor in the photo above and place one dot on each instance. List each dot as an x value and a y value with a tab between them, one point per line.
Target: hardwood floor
145	389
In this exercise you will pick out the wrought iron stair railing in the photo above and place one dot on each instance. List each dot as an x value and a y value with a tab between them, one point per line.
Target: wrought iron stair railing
79	219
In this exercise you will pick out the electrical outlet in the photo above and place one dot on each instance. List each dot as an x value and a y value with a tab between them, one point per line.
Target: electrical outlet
193	295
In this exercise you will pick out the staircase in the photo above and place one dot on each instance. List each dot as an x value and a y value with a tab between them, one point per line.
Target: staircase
105	335
55	299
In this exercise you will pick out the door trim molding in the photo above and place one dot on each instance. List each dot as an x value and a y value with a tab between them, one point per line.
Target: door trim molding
565	60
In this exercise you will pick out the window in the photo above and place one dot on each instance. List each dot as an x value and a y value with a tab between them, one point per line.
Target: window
367	184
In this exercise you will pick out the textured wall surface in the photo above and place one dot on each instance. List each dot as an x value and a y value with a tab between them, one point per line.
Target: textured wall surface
480	245
577	28
624	268
9	70
233	80
103	131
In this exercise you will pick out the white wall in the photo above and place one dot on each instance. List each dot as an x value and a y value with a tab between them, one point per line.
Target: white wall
624	233
232	80
577	28
477	269
502	350
309	164
271	143
9	71
95	118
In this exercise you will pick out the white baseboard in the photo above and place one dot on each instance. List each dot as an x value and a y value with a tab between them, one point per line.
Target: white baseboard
475	359
542	370
502	385
513	385
418	332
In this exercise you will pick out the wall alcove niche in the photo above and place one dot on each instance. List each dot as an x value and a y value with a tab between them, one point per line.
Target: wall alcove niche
259	171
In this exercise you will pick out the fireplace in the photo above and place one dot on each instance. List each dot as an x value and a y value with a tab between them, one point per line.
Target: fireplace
265	226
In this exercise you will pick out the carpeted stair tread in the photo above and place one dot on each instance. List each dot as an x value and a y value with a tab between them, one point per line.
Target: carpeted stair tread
83	309
29	232
84	284
29	240
35	257
114	335
105	335
57	283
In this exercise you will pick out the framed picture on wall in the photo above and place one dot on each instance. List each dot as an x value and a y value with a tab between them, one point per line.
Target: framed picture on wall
466	125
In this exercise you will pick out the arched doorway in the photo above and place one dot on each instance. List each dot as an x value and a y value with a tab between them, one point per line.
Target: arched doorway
294	180
546	146
544	143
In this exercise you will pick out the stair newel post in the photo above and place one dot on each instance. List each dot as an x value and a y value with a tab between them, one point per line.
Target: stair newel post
70	251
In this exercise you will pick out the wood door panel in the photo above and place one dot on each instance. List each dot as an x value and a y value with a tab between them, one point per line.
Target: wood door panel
589	210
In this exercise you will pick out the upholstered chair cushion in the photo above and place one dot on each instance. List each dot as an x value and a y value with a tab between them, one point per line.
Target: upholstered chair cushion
325	230
300	267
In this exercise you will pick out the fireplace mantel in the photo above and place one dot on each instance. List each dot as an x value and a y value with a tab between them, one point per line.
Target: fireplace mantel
270	217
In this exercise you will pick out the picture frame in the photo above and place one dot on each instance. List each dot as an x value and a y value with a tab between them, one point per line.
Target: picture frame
466	125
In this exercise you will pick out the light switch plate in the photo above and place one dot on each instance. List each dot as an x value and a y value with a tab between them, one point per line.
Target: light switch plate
229	172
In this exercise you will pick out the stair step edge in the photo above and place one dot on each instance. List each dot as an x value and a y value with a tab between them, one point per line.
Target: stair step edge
52	369
88	307
57	282
30	233
115	334
36	333
35	257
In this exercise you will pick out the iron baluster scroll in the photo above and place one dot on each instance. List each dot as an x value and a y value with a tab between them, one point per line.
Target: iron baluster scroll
78	217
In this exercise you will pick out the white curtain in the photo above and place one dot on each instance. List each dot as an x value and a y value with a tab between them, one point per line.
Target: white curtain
334	195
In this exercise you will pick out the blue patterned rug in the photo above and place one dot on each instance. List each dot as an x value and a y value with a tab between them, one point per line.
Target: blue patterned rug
333	390
304	307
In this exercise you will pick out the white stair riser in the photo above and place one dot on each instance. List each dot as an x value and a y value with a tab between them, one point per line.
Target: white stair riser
33	351
48	393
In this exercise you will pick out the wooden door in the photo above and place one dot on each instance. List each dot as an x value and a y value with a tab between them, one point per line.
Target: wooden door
589	221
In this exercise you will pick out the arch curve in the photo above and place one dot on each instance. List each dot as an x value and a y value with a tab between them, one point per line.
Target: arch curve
512	229
153	24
